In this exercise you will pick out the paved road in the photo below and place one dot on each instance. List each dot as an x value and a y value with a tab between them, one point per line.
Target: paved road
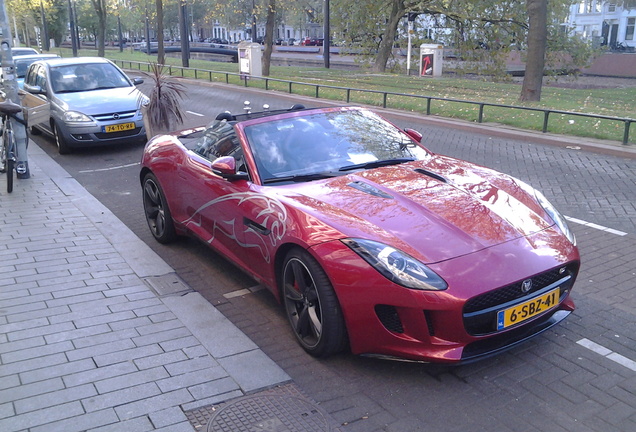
580	376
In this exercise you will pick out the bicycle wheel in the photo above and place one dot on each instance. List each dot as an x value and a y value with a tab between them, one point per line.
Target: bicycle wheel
10	164
8	146
3	156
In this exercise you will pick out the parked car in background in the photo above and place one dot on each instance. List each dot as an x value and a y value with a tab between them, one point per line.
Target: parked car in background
312	41
218	41
22	63
19	51
92	102
369	240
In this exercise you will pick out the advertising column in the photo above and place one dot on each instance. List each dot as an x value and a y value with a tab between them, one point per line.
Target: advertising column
249	54
431	59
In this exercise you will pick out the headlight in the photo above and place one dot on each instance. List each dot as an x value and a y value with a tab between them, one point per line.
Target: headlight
555	216
74	116
396	265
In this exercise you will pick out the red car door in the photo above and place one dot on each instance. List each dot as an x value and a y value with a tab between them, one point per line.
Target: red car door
212	205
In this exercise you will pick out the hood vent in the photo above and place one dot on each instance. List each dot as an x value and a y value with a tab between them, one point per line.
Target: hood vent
431	174
370	189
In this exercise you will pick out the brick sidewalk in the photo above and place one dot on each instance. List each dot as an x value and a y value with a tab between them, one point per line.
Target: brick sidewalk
96	331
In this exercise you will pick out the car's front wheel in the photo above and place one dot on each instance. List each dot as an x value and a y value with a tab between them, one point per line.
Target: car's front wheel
311	305
157	212
62	145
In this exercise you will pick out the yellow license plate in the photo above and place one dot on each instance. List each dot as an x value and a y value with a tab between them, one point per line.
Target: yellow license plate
521	312
119	127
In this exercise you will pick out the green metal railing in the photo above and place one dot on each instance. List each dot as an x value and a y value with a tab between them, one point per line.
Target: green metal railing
239	78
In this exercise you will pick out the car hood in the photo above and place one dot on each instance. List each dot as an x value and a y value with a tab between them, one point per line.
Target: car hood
434	210
100	101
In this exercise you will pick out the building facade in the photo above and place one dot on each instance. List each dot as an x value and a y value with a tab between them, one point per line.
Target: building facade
605	23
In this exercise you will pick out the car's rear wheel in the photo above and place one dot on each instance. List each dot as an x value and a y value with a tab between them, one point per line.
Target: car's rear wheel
157	212
62	145
311	305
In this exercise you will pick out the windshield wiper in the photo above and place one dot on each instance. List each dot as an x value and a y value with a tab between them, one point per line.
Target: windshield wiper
376	164
67	91
302	177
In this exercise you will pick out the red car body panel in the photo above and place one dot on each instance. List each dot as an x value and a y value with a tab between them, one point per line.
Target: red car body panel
477	228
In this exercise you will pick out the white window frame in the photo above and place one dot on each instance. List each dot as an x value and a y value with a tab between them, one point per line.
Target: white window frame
629	29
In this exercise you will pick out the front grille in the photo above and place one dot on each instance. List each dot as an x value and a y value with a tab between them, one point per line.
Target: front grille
389	318
115	116
480	313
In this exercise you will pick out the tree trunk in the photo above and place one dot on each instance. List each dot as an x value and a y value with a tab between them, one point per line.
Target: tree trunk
386	45
161	55
269	36
101	36
537	41
184	31
100	10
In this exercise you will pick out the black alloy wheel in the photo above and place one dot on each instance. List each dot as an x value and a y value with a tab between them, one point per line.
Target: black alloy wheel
311	305
157	212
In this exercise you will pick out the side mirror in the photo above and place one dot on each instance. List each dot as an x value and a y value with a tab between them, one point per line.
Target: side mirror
225	166
414	134
137	81
34	89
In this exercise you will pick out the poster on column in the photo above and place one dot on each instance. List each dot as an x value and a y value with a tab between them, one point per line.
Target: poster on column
427	64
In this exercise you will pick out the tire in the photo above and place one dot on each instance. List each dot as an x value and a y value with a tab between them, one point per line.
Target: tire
3	158
156	209
311	305
10	175
6	161
62	145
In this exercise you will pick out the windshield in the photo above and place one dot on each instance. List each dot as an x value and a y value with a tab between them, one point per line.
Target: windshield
328	143
84	77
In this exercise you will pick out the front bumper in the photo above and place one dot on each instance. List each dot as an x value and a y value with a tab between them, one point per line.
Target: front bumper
90	135
388	320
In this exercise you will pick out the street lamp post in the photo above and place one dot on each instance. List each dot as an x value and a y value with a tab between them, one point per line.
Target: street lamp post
121	45
253	21
326	44
411	17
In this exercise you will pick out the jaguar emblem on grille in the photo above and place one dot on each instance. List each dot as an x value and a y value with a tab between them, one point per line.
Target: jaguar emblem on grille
526	285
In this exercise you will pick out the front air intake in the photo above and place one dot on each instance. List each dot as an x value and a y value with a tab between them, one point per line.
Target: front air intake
389	318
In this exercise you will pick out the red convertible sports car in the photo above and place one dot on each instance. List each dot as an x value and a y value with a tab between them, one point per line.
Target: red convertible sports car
370	241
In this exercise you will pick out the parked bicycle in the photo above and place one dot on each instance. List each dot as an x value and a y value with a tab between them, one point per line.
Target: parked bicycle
8	151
